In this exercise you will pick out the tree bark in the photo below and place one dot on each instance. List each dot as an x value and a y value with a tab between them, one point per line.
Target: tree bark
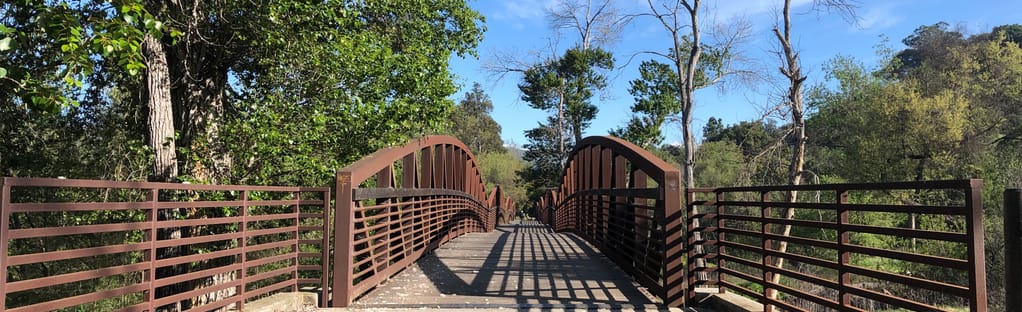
792	70
161	116
162	141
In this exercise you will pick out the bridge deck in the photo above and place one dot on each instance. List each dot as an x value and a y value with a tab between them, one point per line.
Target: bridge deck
519	266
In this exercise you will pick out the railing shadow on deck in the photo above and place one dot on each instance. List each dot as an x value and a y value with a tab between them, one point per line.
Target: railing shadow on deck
529	267
398	203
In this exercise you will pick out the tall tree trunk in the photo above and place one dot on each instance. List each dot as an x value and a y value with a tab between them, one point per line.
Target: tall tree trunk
560	128
792	70
687	73
200	86
161	116
161	140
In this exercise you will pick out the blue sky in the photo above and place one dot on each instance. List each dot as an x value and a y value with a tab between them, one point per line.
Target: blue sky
521	27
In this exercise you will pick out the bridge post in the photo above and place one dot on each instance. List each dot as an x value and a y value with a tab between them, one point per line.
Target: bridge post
1013	249
675	285
344	226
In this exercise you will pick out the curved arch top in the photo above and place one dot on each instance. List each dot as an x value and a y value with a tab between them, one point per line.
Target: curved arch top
639	157
379	160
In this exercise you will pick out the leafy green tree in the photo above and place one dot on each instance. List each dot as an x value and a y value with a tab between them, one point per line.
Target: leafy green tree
718	164
280	53
566	86
656	99
501	168
471	123
544	158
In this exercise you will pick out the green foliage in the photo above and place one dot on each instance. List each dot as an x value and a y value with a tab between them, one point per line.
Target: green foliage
718	164
471	123
545	161
567	84
656	98
501	168
51	49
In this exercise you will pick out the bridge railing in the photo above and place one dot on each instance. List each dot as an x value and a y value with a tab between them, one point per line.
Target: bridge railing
504	205
626	202
137	246
397	203
850	247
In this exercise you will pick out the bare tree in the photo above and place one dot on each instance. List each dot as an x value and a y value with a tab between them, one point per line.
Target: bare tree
598	24
791	69
681	19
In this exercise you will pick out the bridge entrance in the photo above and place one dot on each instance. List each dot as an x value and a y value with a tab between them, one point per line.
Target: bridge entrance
414	226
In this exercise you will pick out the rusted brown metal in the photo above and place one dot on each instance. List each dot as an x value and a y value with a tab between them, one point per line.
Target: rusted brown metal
1012	249
281	222
732	240
604	199
381	229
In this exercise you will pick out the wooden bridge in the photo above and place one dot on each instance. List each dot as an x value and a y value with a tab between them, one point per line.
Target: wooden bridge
414	226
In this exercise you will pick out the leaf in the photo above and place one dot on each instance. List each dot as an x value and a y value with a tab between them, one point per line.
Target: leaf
3	72
5	44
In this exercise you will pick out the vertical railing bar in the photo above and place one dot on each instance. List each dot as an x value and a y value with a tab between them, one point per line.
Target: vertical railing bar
673	226
976	250
1013	249
721	250
324	292
844	256
344	226
5	226
243	244
766	228
297	232
690	209
152	216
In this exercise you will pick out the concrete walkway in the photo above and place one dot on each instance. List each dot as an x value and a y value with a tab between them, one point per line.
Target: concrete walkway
522	266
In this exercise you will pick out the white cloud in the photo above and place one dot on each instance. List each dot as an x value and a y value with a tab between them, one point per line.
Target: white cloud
878	17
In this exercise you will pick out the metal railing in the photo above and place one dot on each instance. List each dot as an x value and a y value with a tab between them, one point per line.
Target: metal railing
398	203
1013	249
505	205
855	247
138	246
627	203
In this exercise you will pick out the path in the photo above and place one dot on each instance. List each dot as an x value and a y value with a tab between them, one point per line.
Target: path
517	266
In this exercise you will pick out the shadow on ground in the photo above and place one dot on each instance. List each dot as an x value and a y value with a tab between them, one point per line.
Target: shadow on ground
520	265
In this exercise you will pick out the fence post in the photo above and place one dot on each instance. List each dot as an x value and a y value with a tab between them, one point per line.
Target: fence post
674	235
1013	249
977	256
324	293
5	199
344	226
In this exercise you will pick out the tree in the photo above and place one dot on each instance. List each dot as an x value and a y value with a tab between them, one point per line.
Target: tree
279	93
566	86
471	123
501	168
544	158
791	68
597	24
656	99
719	164
697	64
